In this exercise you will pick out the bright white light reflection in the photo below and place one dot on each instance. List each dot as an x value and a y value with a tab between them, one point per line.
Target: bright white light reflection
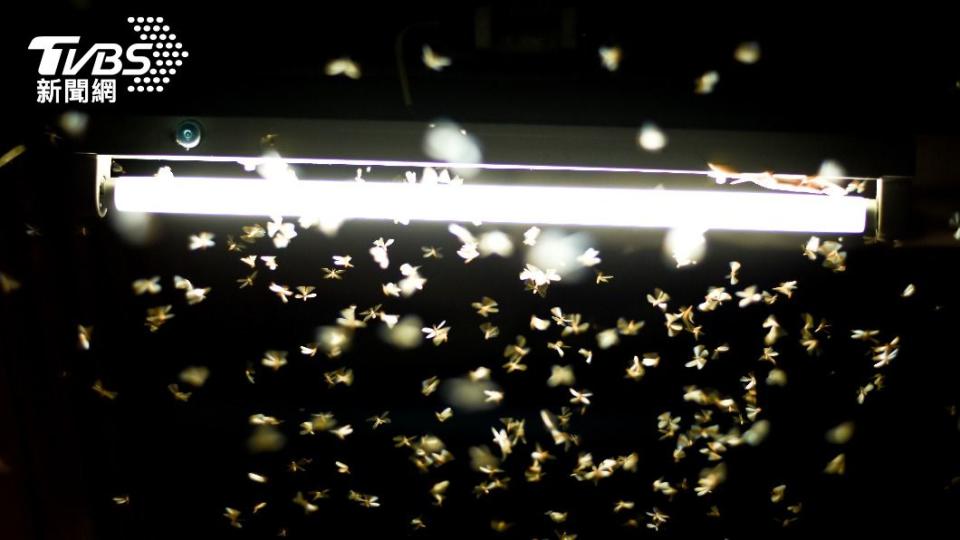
136	228
467	395
446	141
521	204
559	251
685	245
651	138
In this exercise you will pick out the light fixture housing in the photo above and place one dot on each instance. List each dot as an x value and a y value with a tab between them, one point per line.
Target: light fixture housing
529	175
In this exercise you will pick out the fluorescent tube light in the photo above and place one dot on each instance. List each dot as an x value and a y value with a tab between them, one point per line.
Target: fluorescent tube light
519	204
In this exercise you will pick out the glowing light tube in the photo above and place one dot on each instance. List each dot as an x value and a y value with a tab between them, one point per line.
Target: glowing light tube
520	204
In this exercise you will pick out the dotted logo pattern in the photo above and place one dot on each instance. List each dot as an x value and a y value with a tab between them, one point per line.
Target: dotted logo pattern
167	55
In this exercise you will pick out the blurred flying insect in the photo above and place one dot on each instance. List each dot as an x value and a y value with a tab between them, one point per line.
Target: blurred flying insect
8	284
282	291
558	346
628	327
12	154
635	371
429	386
252	232
233	515
305	292
589	257
865	335
342	66
530	236
270	261
380	420
342	376
538	280
379	252
177	393
342	432
157	316
308	507
103	392
747	52
263	420
468	252
274	359
769	355
332	273
258	478
195	295
486	306
493	396
318	494
561	376
734	275
233	245
433	60
438	490
775	332
391	289
538	324
837	465
430	252
247	281
364	500
704	84
811	248
343	261
502	439
580	397
84	336
657	519
489	330
348	318
786	288
610	57
202	240
658	299
556	517
147	286
438	333
749	296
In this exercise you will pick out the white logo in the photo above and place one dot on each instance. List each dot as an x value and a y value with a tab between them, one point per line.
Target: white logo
148	64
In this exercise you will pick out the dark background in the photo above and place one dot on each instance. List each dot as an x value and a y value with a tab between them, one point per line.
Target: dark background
66	451
823	68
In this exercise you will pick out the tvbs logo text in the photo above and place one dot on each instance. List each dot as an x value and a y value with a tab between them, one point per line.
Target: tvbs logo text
72	73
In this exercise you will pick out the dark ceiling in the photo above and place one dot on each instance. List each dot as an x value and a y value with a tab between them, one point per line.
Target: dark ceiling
820	70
